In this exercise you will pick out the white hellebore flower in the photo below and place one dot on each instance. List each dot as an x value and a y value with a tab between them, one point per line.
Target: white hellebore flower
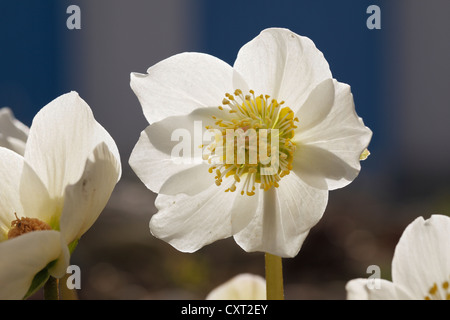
420	267
279	91
13	133
51	196
244	286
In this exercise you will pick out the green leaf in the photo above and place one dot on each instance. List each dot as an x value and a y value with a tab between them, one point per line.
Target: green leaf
39	280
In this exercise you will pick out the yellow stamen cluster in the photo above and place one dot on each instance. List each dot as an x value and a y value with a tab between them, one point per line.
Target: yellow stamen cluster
247	116
25	225
439	292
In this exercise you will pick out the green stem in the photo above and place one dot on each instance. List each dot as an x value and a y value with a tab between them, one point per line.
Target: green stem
51	289
65	292
274	277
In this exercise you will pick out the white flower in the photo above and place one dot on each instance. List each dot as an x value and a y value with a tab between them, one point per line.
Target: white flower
13	133
53	194
241	287
279	81
420	267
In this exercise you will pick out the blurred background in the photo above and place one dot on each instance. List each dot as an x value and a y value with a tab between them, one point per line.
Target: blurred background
400	79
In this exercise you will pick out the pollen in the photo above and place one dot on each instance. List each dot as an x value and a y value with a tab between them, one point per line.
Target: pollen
439	291
253	142
25	225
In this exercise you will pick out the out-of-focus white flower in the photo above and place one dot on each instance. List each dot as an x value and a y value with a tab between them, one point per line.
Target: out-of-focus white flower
281	90
53	194
241	287
420	267
13	133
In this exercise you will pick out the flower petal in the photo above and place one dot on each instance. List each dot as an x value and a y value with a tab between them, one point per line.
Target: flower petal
167	156
283	218
11	165
181	84
359	289
23	257
421	257
282	64
241	287
328	152
13	133
21	192
62	136
86	199
317	106
190	222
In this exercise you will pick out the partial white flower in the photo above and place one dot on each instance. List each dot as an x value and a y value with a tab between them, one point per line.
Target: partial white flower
13	133
420	267
53	194
280	82
241	287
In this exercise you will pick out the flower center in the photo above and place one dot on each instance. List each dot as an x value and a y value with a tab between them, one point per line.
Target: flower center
439	292
253	142
25	225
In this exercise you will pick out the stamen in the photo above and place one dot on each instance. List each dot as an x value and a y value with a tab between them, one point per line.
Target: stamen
248	114
439	292
25	225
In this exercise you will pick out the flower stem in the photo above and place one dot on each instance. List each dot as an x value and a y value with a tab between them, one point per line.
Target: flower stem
51	289
65	292
274	277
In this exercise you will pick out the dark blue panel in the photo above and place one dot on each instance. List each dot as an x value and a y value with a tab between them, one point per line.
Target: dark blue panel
30	74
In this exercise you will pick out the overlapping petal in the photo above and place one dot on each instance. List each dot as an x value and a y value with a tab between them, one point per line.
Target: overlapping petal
283	65
23	257
182	83
190	222
168	156
283	219
86	199
422	255
21	192
62	136
13	133
329	147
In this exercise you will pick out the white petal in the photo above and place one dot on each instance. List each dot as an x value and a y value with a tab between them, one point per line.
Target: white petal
282	64
328	153
62	136
11	165
244	209
364	289
86	199
322	169
13	133
241	287
317	106
190	222
283	218
421	257
181	84
158	162
23	257
21	192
